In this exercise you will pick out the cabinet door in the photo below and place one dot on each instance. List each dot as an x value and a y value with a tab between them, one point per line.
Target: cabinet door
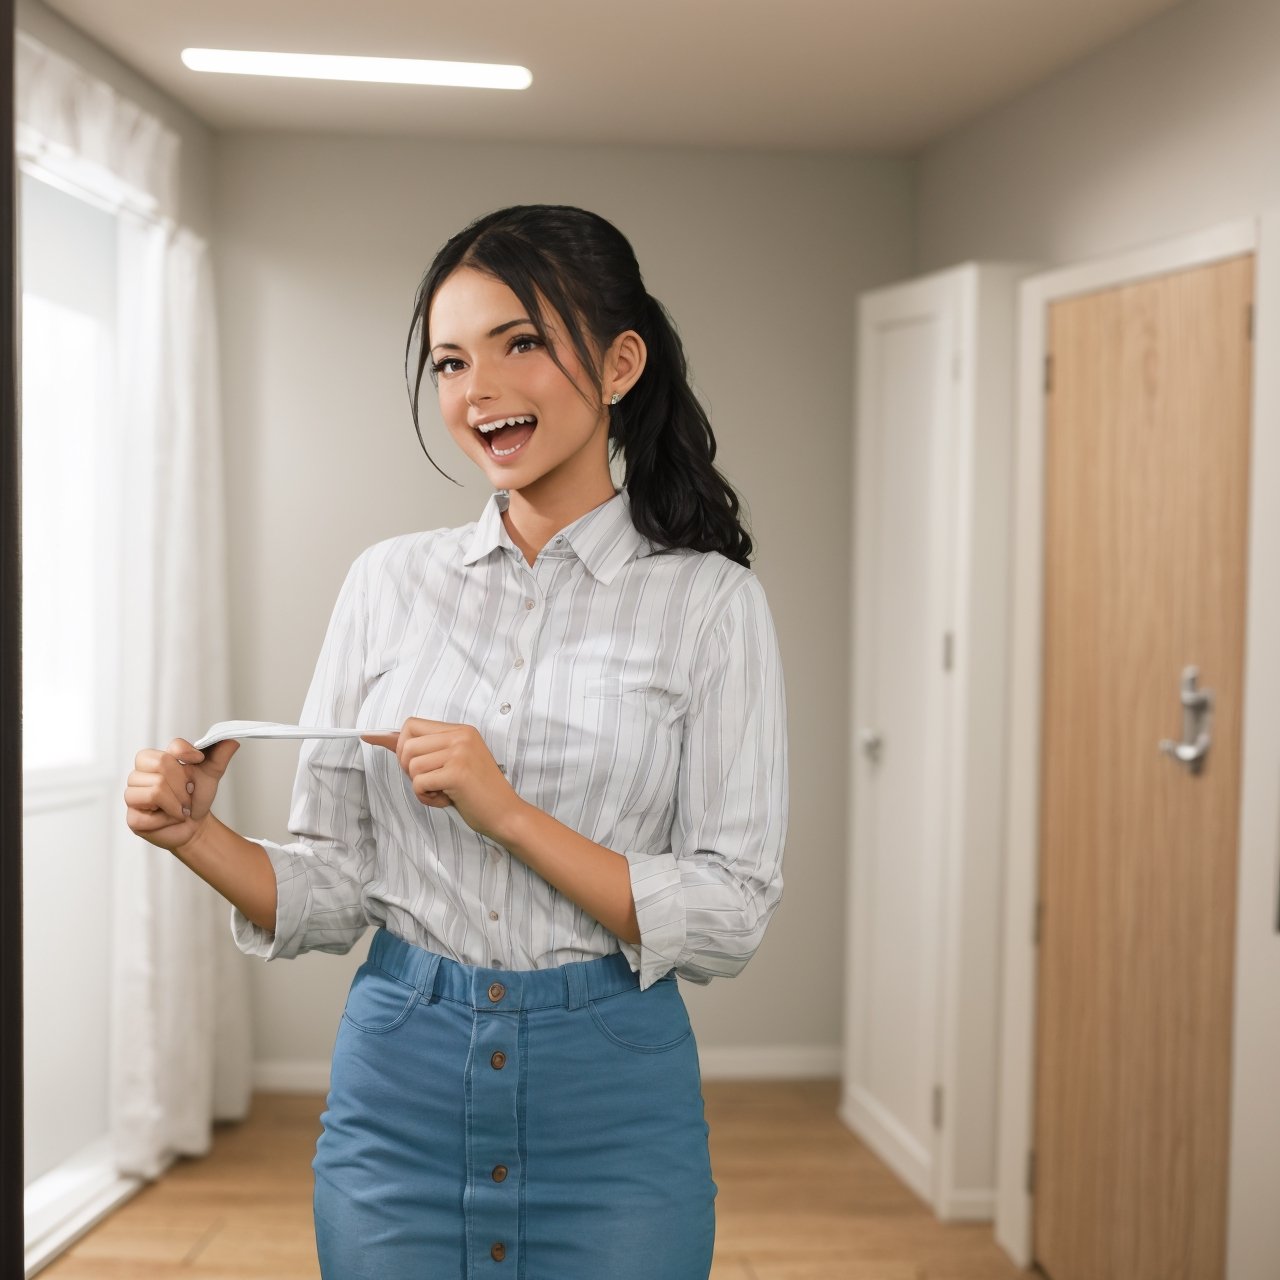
905	481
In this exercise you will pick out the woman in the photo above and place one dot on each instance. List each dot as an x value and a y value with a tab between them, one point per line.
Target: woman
587	796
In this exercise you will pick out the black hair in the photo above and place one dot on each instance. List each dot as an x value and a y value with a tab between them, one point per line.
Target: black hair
587	271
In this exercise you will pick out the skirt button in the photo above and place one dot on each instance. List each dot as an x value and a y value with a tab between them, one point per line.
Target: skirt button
498	1060
498	1251
496	992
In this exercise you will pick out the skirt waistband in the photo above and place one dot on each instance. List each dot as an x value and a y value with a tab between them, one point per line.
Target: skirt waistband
571	984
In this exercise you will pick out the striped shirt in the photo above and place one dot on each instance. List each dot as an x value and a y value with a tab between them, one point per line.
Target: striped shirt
635	694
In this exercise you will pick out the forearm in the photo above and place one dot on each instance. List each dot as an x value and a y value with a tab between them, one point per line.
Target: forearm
237	868
598	879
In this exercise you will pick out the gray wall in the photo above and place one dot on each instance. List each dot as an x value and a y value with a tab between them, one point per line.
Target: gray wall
1170	129
321	243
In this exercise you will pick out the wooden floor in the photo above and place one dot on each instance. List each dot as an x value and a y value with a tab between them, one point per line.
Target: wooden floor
800	1198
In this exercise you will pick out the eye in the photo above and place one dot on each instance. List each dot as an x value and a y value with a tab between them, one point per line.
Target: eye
441	366
525	342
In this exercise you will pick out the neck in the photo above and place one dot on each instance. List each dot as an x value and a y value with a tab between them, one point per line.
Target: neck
531	526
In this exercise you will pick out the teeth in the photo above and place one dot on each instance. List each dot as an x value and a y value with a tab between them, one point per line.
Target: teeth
506	422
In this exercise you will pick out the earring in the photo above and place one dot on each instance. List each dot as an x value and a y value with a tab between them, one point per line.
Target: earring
613	399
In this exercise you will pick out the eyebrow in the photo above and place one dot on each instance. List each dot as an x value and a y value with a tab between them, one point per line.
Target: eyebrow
493	333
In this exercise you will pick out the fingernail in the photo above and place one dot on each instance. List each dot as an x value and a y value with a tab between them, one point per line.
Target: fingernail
181	760
186	811
191	786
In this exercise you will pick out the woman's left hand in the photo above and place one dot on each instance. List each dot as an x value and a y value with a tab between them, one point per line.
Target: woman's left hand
449	764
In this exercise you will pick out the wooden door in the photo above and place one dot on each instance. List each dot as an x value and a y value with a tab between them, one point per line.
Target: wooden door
1146	483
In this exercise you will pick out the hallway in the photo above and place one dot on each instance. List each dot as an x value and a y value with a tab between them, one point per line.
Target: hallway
800	1198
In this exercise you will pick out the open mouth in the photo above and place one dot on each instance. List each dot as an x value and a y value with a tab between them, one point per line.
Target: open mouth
505	438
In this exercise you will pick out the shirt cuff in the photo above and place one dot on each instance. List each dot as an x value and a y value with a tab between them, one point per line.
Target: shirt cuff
292	897
659	898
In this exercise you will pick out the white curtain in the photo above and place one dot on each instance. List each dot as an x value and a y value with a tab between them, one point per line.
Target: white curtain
180	1008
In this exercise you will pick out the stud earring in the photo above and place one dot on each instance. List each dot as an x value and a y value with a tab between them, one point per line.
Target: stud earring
613	399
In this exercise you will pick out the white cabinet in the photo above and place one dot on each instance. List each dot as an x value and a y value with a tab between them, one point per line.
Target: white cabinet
933	470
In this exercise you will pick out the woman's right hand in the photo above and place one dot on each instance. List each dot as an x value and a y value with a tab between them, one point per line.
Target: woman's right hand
167	801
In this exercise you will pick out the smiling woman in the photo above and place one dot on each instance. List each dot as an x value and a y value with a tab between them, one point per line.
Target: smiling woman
587	797
513	287
500	383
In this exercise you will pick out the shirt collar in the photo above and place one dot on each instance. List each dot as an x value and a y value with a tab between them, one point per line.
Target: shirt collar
604	539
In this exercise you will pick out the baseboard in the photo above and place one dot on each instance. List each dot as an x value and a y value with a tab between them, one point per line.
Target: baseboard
297	1075
66	1202
761	1062
888	1139
968	1206
770	1062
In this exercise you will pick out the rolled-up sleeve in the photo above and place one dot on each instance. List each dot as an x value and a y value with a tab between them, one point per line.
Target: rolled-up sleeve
703	906
320	877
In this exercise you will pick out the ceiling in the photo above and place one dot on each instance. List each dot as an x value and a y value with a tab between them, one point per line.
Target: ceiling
847	75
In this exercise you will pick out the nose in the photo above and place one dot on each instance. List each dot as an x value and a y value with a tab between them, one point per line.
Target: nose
481	383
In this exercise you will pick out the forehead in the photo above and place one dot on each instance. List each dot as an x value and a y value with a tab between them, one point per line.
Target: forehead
468	303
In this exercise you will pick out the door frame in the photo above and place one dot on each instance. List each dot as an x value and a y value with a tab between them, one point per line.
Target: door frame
1253	1226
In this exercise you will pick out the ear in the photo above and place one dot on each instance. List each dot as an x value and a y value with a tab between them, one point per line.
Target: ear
623	363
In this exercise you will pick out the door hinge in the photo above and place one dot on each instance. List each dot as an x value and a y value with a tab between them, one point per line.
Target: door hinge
1048	373
937	1106
1037	927
948	650
1031	1172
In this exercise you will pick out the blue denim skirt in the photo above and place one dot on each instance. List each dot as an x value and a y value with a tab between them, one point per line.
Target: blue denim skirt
537	1124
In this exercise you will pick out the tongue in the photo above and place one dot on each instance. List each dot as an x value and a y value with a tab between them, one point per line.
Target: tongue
509	437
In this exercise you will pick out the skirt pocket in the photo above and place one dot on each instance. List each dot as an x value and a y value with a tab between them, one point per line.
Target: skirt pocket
650	1021
378	1002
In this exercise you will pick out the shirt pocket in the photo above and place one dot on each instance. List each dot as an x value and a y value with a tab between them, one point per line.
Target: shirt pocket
621	687
636	730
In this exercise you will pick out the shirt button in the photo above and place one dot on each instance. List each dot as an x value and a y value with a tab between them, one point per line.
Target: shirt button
502	768
493	915
499	1172
498	1060
498	1251
496	991
519	663
506	706
528	604
495	964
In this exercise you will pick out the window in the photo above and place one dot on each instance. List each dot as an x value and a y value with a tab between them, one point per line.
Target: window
68	263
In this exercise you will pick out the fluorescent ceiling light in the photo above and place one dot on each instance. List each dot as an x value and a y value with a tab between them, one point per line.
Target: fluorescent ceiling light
327	66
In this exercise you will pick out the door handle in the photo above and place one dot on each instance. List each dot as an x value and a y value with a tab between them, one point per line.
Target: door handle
1197	708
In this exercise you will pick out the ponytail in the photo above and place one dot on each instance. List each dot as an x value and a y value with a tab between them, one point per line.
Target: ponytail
677	496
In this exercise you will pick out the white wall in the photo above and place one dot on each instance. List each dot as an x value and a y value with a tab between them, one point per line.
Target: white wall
321	244
1169	130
